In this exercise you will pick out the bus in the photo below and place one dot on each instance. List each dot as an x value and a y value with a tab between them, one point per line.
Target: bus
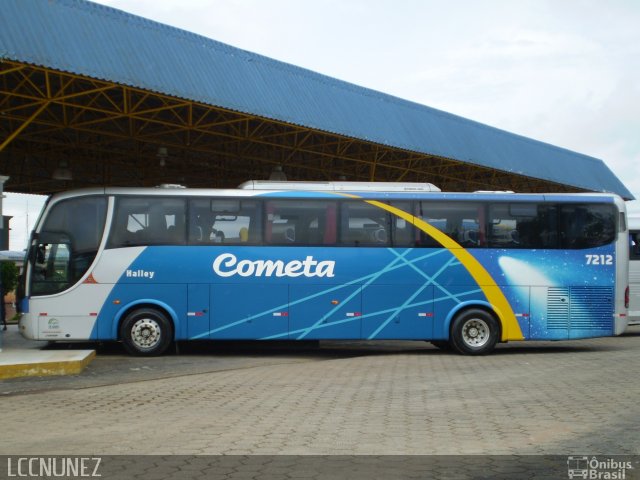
634	270
325	261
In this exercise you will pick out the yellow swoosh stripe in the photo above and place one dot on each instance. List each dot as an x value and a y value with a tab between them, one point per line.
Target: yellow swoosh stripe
510	327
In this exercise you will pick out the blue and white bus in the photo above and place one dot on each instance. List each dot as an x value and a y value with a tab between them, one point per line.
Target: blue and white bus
334	260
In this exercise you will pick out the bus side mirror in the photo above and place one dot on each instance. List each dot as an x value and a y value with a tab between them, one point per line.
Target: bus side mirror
40	253
32	254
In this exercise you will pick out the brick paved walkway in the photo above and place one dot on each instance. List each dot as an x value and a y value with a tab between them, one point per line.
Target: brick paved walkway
566	398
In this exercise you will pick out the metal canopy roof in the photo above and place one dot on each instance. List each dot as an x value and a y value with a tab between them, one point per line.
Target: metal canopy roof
70	38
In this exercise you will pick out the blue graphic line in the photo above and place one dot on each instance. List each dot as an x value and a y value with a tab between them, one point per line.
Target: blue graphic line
396	311
356	292
359	281
372	314
453	262
419	304
430	281
356	281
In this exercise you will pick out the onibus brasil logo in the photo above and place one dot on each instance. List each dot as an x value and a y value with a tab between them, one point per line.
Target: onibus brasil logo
595	468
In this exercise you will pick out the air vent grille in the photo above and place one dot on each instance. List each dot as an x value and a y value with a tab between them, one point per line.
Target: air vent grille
580	308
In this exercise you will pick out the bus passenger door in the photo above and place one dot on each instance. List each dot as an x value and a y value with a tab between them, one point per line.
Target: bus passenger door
397	312
198	312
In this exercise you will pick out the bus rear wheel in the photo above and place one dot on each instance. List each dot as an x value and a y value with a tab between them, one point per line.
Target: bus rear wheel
474	332
146	331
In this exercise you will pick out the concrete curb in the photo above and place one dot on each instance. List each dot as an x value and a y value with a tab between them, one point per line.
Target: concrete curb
30	363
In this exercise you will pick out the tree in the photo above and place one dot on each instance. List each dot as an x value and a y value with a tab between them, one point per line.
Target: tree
9	273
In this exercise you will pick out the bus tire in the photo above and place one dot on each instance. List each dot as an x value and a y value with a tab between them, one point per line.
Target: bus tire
474	332
146	331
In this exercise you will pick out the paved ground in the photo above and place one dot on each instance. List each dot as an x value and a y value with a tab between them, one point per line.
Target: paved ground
579	397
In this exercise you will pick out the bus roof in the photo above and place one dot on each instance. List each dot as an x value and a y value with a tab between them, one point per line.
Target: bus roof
330	189
340	186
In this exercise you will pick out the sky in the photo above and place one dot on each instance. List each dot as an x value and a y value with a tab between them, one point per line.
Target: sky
562	72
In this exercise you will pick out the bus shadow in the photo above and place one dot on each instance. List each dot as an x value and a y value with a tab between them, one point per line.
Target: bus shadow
307	348
310	348
632	331
344	348
533	348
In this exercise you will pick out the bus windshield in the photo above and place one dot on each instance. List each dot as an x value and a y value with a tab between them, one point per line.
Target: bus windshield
67	244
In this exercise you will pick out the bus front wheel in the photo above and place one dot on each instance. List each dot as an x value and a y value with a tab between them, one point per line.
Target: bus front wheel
474	332
146	331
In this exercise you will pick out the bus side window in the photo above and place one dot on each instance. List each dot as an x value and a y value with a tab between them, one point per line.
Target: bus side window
587	226
301	222
199	225
503	228
403	232
148	221
523	225
214	221
364	224
462	222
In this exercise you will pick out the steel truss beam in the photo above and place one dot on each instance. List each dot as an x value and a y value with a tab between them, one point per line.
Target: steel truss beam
109	134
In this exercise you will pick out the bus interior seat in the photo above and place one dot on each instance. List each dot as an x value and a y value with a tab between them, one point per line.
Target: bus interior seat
282	235
244	234
200	227
173	234
196	234
404	234
470	238
218	236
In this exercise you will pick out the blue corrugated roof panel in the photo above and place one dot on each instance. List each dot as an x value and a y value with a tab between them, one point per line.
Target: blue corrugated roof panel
101	42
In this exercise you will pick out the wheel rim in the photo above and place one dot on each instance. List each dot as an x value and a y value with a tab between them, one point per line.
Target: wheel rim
146	333
476	332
